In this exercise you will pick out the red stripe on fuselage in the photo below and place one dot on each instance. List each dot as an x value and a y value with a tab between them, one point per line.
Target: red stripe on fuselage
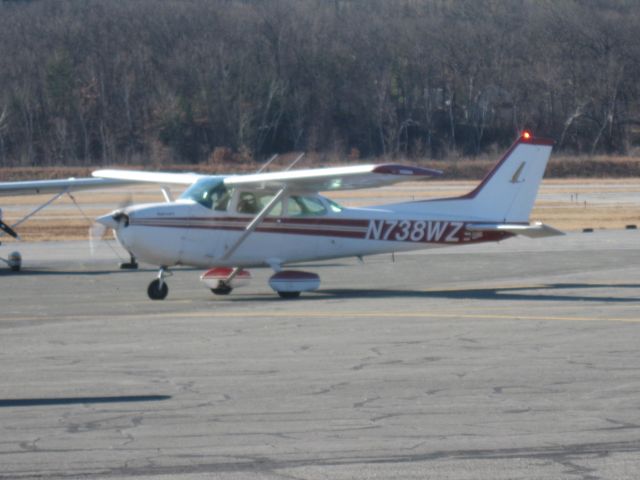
413	231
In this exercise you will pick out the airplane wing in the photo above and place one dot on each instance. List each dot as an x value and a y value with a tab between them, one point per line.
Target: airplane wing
57	187
315	180
336	178
33	187
135	176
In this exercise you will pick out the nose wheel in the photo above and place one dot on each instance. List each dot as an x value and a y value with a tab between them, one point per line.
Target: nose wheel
158	289
132	264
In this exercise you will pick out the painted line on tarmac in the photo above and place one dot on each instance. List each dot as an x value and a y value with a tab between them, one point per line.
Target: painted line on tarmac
56	320
449	314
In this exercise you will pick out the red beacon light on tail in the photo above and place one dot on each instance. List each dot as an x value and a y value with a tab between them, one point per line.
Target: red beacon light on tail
527	137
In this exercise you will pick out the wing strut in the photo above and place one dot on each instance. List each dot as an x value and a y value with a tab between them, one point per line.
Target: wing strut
8	230
254	223
298	158
166	193
32	213
263	167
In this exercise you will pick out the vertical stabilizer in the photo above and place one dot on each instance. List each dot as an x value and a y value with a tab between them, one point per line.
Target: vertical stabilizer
505	195
509	190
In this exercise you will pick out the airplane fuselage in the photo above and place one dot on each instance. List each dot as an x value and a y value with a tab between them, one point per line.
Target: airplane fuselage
186	233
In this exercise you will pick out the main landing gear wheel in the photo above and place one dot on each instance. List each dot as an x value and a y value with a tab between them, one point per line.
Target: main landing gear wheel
289	283
289	294
157	290
222	289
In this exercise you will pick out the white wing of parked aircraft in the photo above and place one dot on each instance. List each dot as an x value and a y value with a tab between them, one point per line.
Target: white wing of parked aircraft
312	180
34	187
228	223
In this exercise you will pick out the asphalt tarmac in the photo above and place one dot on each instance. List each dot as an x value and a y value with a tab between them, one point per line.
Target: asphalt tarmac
516	360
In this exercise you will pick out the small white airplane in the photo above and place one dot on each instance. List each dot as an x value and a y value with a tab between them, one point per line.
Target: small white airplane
35	187
229	223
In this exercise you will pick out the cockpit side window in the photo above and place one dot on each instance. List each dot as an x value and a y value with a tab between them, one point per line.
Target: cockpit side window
221	201
210	193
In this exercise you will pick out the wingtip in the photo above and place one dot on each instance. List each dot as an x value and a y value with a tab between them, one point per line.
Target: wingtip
407	170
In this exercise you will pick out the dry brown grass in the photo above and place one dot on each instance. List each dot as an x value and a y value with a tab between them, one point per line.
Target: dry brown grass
559	167
577	217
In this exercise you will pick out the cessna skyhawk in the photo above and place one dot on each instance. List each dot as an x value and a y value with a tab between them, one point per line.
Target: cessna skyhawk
229	223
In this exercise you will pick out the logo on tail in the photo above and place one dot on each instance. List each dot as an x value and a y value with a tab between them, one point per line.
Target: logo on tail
516	176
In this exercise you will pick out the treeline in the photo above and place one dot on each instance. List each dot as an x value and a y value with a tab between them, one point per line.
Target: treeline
164	81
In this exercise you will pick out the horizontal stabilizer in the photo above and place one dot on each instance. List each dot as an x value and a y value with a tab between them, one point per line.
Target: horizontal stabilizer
536	230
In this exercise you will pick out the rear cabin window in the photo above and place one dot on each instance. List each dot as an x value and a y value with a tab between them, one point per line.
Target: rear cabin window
253	202
333	206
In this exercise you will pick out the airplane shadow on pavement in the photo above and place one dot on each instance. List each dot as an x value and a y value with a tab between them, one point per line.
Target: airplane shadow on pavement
60	272
42	402
580	292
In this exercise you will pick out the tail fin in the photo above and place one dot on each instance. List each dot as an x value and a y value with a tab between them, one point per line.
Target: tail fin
508	191
505	195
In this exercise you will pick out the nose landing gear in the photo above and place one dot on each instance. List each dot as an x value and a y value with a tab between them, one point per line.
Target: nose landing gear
158	289
132	264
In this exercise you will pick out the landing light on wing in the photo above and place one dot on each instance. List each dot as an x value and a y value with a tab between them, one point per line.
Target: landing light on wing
526	135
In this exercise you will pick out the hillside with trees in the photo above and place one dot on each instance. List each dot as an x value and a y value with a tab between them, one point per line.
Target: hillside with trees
85	82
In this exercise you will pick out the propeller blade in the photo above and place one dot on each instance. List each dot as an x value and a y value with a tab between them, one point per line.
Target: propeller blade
97	232
8	230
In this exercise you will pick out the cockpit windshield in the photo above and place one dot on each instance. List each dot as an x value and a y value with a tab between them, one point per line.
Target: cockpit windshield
209	192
